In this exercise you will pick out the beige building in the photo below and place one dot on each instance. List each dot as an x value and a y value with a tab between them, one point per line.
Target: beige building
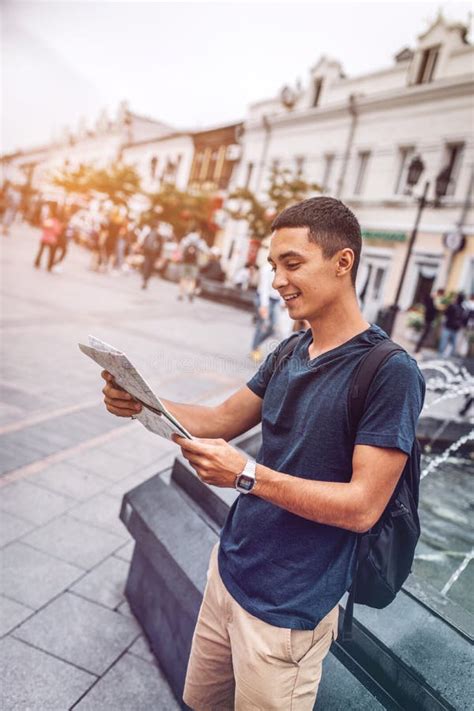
357	137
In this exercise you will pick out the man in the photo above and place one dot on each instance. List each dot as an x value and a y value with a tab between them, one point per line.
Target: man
191	247
455	318
267	303
430	315
152	245
287	550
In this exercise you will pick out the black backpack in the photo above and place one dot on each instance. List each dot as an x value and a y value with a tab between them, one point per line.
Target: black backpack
152	242
190	254
385	553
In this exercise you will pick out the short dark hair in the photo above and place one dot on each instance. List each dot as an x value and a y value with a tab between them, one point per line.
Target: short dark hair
331	225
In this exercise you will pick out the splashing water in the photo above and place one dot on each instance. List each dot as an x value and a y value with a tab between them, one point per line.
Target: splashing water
451	381
440	459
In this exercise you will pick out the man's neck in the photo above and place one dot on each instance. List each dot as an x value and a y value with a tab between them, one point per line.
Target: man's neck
339	325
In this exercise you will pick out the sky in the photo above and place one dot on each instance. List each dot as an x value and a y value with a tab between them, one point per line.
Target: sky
188	64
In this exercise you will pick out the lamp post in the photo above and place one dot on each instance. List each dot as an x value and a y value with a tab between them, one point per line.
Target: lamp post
415	170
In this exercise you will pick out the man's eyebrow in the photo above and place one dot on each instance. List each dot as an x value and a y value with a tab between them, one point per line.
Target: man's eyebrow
289	253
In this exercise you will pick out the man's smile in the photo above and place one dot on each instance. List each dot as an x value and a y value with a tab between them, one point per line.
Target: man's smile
290	297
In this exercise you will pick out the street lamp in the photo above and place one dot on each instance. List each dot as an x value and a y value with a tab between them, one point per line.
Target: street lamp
415	170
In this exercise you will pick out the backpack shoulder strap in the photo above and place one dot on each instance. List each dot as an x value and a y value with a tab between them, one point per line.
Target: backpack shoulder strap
364	374
286	351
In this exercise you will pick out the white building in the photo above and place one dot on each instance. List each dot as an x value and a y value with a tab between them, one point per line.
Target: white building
357	136
99	145
167	158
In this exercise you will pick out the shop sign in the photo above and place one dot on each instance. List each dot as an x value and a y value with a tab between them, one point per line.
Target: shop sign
384	235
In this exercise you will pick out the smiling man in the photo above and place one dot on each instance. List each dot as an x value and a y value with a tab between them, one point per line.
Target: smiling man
287	550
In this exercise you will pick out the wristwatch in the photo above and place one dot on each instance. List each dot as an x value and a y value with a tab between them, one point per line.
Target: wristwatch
245	481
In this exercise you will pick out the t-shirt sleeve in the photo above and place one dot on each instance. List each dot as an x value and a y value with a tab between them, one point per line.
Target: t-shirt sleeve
258	384
394	402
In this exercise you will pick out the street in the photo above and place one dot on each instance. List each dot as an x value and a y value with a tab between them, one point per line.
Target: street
68	638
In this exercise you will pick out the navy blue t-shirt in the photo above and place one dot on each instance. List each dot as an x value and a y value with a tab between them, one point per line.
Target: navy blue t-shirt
280	567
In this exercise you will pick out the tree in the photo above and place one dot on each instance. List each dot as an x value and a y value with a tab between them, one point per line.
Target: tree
284	190
184	210
117	181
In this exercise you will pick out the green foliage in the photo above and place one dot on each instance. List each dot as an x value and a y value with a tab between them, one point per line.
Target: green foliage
184	210
416	318
118	181
284	190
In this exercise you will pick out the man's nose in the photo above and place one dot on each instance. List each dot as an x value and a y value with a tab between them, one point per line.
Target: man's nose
279	280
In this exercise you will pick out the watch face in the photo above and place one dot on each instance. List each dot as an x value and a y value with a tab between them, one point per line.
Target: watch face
246	482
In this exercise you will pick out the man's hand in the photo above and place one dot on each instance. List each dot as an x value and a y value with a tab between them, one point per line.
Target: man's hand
214	461
117	401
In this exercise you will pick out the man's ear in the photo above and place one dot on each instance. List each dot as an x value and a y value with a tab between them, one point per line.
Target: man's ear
345	261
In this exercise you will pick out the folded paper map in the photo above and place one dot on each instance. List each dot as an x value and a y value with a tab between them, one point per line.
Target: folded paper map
154	415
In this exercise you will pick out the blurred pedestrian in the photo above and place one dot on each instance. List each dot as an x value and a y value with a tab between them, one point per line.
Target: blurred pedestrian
242	277
11	200
213	269
65	235
191	247
121	246
114	226
152	244
454	320
267	300
52	228
430	315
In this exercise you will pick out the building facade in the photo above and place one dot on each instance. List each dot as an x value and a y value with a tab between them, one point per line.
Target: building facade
356	137
99	145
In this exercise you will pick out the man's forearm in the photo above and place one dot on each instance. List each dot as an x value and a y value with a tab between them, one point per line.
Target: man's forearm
330	503
199	420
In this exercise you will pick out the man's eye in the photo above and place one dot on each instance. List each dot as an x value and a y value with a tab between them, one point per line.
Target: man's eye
293	265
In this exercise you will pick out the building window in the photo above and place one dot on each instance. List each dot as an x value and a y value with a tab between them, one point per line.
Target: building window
429	60
299	166
250	167
453	159
405	155
327	172
196	167
317	87
211	168
153	167
363	159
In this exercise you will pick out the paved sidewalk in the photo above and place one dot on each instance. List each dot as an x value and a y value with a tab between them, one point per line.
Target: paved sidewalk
68	639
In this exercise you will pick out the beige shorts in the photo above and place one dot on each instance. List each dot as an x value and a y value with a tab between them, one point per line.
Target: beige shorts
240	662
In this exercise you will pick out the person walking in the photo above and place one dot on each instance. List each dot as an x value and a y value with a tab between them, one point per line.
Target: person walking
64	237
430	315
454	320
288	548
191	247
51	230
267	301
152	245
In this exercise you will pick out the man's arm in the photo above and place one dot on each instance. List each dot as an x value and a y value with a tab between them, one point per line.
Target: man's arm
240	412
356	505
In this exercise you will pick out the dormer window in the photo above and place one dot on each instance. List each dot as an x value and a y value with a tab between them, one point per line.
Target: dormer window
429	60
318	85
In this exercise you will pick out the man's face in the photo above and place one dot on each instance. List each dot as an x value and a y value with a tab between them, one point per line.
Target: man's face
303	277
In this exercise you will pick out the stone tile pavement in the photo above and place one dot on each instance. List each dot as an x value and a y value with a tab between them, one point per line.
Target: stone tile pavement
68	639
